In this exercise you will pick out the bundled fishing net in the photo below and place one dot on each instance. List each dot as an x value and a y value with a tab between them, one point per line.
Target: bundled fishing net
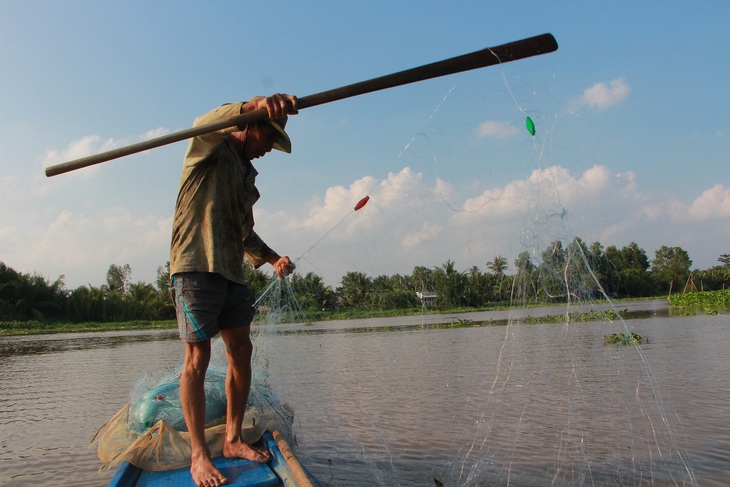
162	403
150	430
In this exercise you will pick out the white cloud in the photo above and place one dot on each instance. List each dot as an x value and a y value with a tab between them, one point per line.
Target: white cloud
411	223
94	144
410	220
427	232
338	202
82	246
77	149
712	205
154	133
602	95
499	130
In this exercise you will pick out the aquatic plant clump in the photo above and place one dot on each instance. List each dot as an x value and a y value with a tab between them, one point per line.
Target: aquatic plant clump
701	299
605	315
623	339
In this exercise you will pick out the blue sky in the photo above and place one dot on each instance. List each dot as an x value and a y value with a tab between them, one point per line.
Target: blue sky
632	140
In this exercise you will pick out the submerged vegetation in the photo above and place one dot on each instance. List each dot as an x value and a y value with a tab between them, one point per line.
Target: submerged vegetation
574	272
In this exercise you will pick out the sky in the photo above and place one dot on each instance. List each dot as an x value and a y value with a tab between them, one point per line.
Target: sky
631	142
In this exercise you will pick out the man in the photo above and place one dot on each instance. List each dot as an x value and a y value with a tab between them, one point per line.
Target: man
212	231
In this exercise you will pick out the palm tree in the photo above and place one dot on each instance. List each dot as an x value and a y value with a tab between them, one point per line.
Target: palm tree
355	288
256	279
32	297
524	285
450	285
87	303
311	291
477	287
142	301
422	279
498	266
382	284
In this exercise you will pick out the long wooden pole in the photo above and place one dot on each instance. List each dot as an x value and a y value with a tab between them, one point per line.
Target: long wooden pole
504	53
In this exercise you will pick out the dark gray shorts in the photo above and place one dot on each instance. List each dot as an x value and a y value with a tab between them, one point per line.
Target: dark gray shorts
206	302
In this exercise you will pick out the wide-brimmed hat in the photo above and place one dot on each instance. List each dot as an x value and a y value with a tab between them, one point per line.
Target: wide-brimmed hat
282	142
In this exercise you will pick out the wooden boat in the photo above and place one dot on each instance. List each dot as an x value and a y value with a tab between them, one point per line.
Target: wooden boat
283	470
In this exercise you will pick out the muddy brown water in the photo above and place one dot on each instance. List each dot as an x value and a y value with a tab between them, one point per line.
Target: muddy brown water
398	401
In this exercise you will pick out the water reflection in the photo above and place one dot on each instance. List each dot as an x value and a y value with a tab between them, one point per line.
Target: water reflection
41	344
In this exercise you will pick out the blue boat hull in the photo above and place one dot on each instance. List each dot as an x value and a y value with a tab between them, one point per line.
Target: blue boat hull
240	473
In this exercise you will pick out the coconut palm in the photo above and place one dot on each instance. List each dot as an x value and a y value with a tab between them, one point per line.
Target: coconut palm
311	291
498	266
355	288
451	286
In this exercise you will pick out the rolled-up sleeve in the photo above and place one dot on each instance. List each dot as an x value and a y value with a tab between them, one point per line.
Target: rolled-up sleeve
256	250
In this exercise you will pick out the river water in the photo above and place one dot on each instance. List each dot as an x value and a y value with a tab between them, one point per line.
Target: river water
400	402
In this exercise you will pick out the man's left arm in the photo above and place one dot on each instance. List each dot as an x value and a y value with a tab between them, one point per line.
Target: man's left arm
258	253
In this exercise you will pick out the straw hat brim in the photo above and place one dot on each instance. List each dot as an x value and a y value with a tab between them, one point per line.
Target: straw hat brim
282	142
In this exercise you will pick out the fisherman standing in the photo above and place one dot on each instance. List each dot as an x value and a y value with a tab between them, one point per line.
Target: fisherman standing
212	232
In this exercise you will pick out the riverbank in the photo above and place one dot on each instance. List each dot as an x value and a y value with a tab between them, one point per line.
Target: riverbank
9	328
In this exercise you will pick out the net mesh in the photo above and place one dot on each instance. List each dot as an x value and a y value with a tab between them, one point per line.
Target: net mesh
575	412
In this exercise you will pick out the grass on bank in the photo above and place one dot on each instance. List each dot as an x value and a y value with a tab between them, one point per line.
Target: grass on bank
41	327
704	301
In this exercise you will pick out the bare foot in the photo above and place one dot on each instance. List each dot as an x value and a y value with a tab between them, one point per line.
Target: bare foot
205	474
239	449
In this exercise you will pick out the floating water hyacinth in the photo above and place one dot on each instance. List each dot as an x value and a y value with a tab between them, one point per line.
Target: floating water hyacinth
530	126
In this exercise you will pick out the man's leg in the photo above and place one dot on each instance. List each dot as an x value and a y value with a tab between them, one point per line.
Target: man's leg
238	384
192	397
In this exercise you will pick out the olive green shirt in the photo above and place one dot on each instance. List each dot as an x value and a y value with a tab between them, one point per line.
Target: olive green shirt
213	225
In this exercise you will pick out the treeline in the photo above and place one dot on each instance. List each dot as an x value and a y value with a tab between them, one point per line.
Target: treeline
31	297
560	273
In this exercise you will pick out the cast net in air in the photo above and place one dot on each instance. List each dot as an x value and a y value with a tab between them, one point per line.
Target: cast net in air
497	213
551	384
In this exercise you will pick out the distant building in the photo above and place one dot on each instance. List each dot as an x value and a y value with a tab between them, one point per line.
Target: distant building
426	297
